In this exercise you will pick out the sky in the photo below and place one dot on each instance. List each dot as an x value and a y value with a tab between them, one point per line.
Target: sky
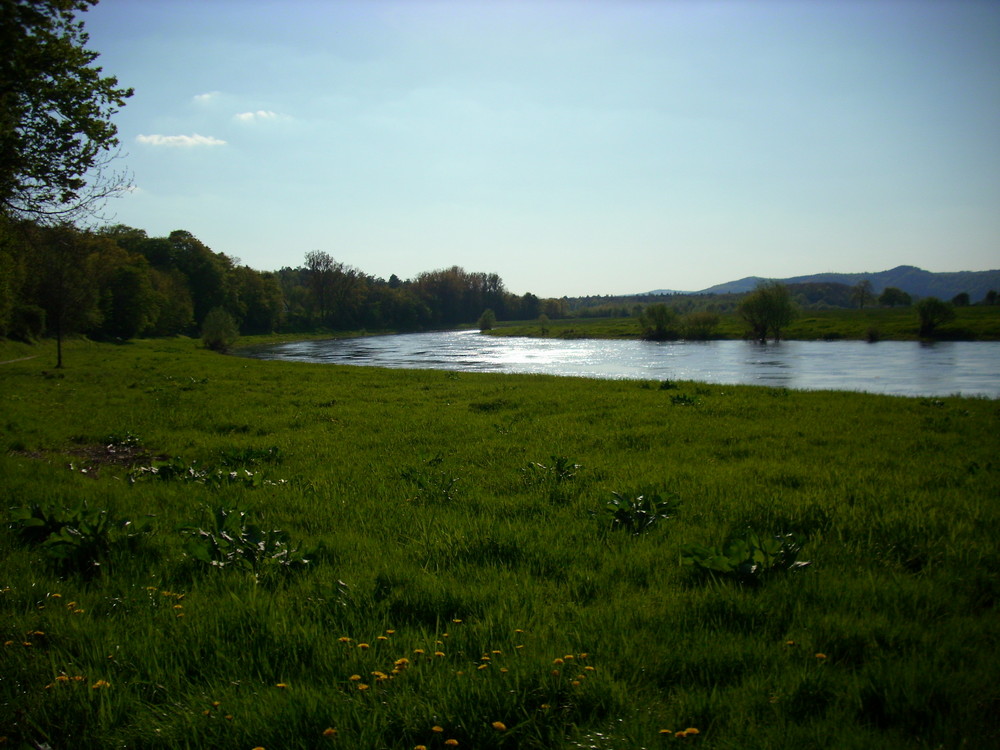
583	147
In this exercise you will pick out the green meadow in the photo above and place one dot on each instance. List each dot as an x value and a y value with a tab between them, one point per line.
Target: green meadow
975	323
206	551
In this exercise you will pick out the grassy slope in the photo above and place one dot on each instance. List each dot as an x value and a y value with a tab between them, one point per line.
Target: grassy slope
417	483
971	323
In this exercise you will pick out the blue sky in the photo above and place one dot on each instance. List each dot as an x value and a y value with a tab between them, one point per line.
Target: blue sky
574	148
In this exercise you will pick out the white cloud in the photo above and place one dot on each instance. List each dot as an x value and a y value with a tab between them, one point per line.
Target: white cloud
260	114
207	97
185	141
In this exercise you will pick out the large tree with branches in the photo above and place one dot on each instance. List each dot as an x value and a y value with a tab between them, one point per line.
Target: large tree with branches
56	135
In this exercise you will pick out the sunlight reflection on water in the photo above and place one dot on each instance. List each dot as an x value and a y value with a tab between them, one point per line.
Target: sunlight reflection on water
891	367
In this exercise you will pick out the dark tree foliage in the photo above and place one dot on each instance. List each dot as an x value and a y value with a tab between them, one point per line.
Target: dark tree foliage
933	313
893	297
767	310
55	112
658	322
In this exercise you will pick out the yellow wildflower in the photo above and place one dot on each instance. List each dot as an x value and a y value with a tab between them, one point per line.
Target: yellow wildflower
363	646
100	684
451	743
436	728
691	730
499	726
354	678
557	661
344	639
329	732
820	656
281	685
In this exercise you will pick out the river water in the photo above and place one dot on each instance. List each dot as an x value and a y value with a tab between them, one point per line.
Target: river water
904	368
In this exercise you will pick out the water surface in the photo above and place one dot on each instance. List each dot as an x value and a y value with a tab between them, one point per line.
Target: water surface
893	367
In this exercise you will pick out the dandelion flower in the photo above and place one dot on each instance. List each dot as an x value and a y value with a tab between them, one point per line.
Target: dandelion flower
503	670
418	651
354	678
680	735
518	630
362	686
420	747
557	661
575	683
382	638
390	632
363	646
436	728
451	743
590	668
62	678
820	656
229	717
666	731
499	726
457	622
439	653
216	704
344	639
100	684
691	730
281	685
329	732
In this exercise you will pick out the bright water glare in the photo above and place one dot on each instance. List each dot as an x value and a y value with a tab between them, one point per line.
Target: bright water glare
892	367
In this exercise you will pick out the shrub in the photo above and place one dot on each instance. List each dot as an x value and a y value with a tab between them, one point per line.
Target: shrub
219	331
933	313
487	320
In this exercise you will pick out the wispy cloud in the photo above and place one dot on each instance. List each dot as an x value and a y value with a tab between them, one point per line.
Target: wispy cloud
207	97
183	141
260	114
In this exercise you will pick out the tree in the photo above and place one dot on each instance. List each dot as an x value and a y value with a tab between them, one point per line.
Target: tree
861	293
67	293
487	320
891	297
56	134
699	325
961	299
657	322
767	310
219	331
933	313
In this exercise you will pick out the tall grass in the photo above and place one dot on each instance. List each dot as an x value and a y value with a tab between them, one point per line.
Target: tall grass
464	571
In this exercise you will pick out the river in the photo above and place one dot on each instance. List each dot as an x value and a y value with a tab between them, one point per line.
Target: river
905	368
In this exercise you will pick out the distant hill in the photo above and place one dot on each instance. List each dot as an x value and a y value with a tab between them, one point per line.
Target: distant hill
912	280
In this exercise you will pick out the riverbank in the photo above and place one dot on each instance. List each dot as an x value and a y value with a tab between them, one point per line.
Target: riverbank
979	323
503	561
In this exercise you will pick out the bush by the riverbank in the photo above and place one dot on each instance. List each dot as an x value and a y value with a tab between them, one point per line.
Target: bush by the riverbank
500	561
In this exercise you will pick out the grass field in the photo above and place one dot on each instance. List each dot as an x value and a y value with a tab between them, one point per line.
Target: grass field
971	324
486	561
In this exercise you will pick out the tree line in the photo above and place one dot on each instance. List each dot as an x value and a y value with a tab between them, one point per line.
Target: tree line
118	283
